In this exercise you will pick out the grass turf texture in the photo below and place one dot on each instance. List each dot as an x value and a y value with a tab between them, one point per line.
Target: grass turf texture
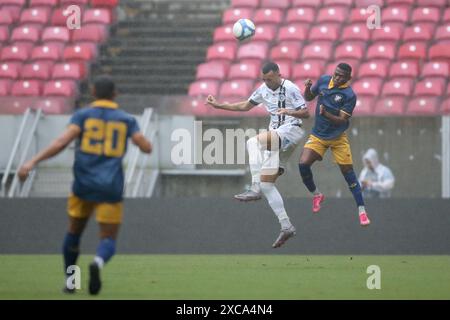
207	277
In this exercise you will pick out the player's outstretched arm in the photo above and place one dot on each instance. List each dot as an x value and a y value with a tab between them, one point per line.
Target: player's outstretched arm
301	113
238	106
58	145
143	144
308	94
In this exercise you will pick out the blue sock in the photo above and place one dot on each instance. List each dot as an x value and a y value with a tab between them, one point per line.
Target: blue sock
307	176
71	249
354	186
106	249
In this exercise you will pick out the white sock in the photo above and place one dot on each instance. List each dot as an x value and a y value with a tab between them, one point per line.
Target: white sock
255	157
276	203
99	261
256	186
361	209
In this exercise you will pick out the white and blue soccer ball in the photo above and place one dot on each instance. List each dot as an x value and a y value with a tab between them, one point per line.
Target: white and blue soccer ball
243	29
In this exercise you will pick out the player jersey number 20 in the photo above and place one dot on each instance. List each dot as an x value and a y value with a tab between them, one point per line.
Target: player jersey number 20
104	137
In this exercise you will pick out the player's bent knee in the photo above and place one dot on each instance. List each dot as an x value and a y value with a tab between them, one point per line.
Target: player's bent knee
269	178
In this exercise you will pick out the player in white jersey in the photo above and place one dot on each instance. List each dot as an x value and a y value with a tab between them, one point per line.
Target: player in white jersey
268	151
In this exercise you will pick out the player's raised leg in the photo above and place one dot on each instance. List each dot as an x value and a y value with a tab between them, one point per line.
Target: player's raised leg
307	158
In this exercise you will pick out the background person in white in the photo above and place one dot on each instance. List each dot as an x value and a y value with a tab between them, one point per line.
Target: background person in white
286	106
376	180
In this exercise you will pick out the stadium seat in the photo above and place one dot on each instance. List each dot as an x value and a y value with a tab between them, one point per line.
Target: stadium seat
381	50
430	87
104	3
422	106
44	3
429	3
253	50
332	14
347	3
224	33
5	18
268	16
225	51
93	33
390	106
281	4
425	14
14	105
307	3
304	15
367	87
5	87
13	12
286	51
395	13
101	15
26	88
58	18
436	69
10	70
26	33
364	106
326	31
404	68
39	15
442	32
16	52
77	2
307	69
445	106
230	16
66	88
236	88
81	51
352	50
319	50
417	33
359	15
295	32
65	70
40	70
374	68
245	70
389	31
285	68
203	88
412	50
212	70
357	31
397	87
439	51
49	51
19	3
61	34
245	3
4	34
331	66
265	32
446	16
53	105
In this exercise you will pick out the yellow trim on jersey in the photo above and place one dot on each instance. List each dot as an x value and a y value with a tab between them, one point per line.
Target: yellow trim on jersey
105	212
331	84
346	113
103	103
340	147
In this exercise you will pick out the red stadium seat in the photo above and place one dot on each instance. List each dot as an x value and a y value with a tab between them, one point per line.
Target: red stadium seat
307	69
436	3
13	12
53	105
17	52
423	106
226	51
44	3
236	88
10	70
49	51
61	34
357	31
445	107
327	31
72	70
439	51
245	3
253	50
58	17
5	87
332	14
286	51
389	31
374	68
319	50
224	33
360	14
93	33
446	16
417	33
430	87
104	3
19	3
347	3
4	34
40	70
265	32
442	32
71	2
404	68
26	33
203	88
352	50
368	87
230	16
245	70
212	70
306	3
5	17
381	50
39	15
302	14
397	87
436	69
26	88
389	3
281	4
395	14
66	88
295	31
390	106
97	16
364	106
285	68
425	14
81	51
412	50
268	16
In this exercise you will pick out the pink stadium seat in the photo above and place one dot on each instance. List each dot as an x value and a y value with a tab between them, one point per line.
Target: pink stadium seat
446	16
245	3
17	52
5	87
374	68
49	51
436	69
360	14
318	50
436	3
104	3
71	70
253	50
347	3
40	70
381	50
245	70
26	33
58	33
286	51
439	51
10	70
26	88
430	87
285	68
230	16
442	32
80	51
425	14
412	50
397	2
5	17
19	3
44	3
265	32
58	18
203	88
224	33
13	12
294	31
98	15
281	4
302	14
357	31
332	14
268	16
397	87
307	69
14	105
4	34
389	31
368	87
423	106
66	88
212	70
448	89
445	107
93	33
226	51
395	13
364	106
390	106
39	15
404	68
53	105
417	32
306	3
326	31
352	50
77	2
236	88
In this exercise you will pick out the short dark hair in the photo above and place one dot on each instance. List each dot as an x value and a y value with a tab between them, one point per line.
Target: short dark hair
270	66
345	67
104	87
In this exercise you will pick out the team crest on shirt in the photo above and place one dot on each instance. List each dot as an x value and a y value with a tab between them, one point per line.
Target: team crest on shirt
282	97
338	98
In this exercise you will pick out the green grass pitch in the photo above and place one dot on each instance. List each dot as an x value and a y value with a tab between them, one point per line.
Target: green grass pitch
223	277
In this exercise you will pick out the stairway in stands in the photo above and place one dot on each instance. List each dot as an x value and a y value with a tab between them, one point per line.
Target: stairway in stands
157	45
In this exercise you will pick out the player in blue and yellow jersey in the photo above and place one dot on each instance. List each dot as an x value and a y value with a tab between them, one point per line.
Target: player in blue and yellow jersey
336	101
101	131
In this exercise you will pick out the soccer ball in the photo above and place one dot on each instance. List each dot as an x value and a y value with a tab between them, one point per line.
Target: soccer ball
243	29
